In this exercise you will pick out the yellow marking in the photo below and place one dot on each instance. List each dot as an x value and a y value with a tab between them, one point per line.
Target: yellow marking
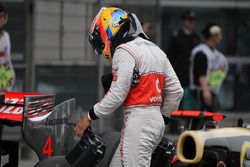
244	148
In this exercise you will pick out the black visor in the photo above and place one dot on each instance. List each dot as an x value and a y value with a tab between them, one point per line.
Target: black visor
96	41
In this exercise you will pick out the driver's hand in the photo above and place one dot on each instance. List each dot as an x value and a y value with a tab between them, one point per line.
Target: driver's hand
82	125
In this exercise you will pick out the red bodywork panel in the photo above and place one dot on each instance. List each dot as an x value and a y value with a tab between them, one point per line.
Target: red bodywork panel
197	114
174	160
11	106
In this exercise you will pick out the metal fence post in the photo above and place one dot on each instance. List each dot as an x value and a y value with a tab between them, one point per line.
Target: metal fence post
61	30
30	60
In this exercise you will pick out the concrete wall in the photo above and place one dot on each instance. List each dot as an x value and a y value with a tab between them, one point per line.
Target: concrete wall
63	37
67	31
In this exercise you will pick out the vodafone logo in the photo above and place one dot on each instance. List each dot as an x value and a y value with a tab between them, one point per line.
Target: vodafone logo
156	99
148	91
157	85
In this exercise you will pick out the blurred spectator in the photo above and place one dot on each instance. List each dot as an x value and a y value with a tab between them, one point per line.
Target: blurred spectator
208	68
149	29
180	46
6	70
7	75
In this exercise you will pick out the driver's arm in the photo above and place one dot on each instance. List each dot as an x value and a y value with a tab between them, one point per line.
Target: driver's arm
122	66
172	90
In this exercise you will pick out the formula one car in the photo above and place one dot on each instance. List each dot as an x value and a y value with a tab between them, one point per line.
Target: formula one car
31	111
48	130
218	147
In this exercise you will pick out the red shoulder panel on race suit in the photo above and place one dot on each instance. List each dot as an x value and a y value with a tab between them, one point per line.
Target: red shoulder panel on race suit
11	106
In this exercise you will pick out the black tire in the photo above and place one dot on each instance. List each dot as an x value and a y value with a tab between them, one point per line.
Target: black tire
178	164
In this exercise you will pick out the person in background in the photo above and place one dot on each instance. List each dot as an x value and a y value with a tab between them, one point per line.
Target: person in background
7	75
179	51
150	31
208	68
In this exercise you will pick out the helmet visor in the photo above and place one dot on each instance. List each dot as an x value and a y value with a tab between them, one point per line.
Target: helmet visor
96	41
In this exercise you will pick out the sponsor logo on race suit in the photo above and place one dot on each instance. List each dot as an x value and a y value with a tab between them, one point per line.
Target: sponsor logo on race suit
157	99
146	93
157	86
114	73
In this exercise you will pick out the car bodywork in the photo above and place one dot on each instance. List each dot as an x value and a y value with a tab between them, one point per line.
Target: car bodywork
223	146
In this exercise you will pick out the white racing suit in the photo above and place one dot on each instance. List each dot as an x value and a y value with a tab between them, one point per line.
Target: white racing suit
143	123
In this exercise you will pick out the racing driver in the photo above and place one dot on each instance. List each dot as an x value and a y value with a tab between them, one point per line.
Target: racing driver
142	75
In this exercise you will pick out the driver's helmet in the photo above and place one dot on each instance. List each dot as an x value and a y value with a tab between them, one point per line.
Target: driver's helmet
105	26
